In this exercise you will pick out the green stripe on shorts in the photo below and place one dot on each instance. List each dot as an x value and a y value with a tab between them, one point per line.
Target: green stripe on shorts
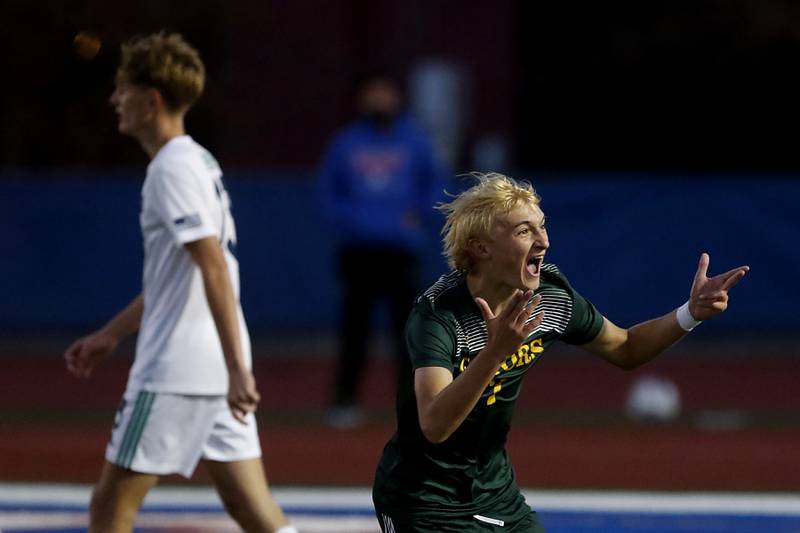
133	433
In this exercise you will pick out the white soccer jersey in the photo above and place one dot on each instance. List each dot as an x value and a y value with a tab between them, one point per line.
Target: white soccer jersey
183	200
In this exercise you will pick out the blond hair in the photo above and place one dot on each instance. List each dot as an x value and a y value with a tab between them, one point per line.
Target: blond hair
165	62
472	213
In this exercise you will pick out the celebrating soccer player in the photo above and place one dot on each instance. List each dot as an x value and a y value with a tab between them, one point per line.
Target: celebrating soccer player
472	336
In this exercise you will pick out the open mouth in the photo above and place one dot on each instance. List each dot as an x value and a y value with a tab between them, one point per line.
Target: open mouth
534	265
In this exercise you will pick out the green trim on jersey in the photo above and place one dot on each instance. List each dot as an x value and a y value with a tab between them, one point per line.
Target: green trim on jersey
133	433
470	473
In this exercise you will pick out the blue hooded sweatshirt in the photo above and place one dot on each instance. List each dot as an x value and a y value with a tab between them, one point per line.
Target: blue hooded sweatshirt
378	186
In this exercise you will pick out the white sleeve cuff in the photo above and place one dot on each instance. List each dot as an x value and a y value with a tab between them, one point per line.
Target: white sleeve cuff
193	234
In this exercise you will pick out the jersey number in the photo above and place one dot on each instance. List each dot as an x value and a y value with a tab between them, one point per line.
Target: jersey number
228	243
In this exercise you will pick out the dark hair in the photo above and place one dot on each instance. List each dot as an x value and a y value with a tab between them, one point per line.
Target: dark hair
165	62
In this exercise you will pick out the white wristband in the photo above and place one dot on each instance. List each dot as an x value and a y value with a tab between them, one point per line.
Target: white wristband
685	318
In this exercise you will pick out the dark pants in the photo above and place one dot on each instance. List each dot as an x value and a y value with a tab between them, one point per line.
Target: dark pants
371	274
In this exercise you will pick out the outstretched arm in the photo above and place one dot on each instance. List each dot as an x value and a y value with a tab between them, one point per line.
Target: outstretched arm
630	348
85	353
207	254
443	402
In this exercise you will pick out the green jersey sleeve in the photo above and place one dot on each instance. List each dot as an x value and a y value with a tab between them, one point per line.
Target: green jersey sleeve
430	338
586	321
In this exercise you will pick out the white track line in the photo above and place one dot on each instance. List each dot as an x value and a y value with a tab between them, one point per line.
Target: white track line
315	499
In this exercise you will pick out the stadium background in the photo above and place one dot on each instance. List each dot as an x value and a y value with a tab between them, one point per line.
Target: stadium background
654	131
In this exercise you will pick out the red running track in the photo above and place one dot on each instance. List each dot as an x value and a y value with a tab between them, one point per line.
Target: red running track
569	432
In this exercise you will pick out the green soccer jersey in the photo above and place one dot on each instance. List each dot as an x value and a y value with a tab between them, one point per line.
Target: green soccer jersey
469	473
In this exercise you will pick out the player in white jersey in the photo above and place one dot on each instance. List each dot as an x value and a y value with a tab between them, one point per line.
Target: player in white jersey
191	393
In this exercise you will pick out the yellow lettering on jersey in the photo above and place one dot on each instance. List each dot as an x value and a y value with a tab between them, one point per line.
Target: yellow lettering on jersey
525	355
536	346
496	387
510	363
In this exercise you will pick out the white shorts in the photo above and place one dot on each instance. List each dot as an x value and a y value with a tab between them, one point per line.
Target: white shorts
161	433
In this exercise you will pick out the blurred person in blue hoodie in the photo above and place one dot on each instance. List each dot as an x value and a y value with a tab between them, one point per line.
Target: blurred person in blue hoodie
378	182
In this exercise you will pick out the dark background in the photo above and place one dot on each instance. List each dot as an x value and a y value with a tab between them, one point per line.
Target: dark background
653	130
683	85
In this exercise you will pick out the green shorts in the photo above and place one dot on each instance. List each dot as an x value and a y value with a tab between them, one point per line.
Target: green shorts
467	524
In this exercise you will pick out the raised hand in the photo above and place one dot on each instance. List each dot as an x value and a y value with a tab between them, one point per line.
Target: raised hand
243	397
509	329
85	353
709	296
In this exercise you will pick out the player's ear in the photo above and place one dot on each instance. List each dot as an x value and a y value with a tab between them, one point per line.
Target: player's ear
478	249
155	100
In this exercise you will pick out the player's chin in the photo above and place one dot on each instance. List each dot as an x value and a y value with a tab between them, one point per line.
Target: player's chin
125	125
530	283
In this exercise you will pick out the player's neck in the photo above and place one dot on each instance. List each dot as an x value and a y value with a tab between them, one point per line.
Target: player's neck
166	128
494	293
